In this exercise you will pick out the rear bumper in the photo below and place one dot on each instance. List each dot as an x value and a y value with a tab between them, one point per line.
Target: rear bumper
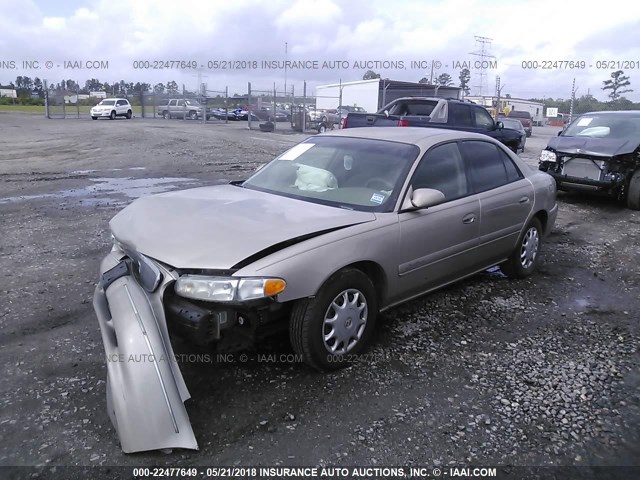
145	389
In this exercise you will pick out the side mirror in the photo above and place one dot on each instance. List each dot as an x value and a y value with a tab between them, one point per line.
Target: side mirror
499	125
426	197
386	113
560	132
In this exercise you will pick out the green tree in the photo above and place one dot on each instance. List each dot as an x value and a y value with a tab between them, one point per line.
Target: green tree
172	88
370	75
424	80
444	79
158	88
465	77
617	85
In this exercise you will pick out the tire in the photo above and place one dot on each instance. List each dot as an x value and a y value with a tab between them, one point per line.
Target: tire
525	257
633	192
322	128
94	118
112	116
166	115
193	115
309	324
129	114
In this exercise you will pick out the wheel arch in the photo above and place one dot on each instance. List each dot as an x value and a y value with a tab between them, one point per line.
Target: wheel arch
376	274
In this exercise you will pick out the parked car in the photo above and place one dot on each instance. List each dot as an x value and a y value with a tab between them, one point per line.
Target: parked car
111	108
328	117
344	110
525	118
241	114
433	112
223	114
334	230
599	152
181	108
516	124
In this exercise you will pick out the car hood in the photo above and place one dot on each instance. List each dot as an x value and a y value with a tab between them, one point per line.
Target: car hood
605	147
218	227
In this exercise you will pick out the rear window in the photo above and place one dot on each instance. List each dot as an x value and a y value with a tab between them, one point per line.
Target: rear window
518	114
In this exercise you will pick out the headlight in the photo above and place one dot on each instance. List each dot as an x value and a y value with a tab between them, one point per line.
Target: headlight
548	156
227	289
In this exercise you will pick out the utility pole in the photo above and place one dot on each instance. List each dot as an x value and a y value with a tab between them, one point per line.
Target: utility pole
573	98
498	95
285	69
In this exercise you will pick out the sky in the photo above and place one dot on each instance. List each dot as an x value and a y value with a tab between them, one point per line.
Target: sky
536	48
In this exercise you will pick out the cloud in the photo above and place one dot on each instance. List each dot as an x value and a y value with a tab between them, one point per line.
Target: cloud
246	31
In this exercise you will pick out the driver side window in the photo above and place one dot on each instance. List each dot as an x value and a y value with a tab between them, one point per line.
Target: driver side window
442	168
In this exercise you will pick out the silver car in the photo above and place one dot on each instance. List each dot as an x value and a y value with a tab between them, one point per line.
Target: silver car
336	229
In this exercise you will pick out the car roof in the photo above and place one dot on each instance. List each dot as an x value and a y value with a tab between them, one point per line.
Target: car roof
630	113
415	135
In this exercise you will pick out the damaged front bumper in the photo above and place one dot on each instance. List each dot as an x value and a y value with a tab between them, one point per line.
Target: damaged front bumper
145	389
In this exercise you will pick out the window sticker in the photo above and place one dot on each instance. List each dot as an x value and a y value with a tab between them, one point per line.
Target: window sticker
583	122
296	151
377	198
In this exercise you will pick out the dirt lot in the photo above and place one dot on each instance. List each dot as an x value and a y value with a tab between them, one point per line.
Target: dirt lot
488	372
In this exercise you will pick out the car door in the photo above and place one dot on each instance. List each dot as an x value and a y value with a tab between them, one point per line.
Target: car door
506	197
121	107
438	243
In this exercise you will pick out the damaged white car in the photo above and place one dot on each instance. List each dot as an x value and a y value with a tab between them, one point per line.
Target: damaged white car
331	232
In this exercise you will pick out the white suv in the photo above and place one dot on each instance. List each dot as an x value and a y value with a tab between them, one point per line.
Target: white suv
112	108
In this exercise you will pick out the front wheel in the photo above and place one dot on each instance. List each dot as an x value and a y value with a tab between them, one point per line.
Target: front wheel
322	128
329	329
193	115
525	257
113	115
166	115
633	193
94	118
129	114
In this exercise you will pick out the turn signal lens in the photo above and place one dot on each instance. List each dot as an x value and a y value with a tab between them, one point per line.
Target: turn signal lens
274	286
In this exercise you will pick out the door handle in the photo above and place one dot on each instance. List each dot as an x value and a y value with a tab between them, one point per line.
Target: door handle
524	200
469	218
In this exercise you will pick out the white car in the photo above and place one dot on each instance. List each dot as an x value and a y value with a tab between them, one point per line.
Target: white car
112	108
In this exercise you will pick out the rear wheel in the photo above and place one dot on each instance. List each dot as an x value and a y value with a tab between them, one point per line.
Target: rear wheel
329	329
633	193
525	257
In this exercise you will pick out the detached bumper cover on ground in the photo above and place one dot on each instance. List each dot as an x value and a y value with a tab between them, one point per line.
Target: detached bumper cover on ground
145	389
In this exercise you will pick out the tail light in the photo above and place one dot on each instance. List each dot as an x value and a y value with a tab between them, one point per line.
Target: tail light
344	122
403	123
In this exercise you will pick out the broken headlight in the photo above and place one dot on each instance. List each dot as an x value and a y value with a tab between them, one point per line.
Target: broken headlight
228	289
548	156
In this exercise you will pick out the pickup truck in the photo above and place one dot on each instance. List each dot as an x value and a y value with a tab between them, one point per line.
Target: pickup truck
181	108
431	112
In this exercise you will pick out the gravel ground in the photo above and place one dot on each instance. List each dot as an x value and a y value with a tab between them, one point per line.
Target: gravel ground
489	371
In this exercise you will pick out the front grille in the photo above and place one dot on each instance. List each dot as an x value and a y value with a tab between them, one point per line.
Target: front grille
583	168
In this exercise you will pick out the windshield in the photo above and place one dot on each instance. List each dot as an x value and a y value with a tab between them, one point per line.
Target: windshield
357	173
604	126
107	102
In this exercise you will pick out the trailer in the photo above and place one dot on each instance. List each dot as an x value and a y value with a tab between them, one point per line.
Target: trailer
374	94
509	104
